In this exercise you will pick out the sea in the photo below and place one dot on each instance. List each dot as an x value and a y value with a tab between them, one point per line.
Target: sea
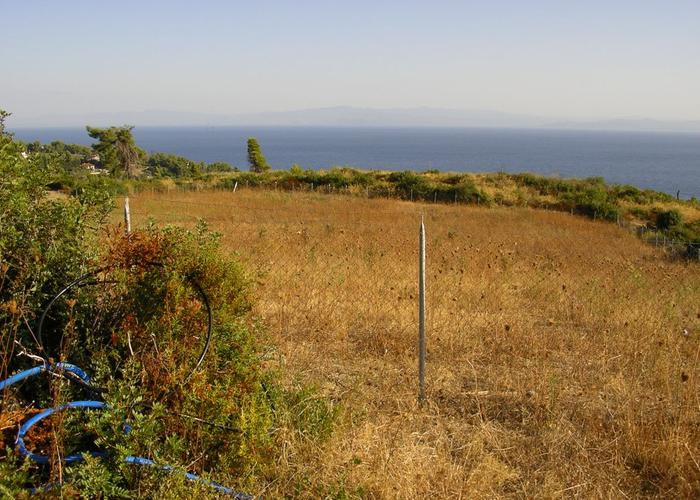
668	162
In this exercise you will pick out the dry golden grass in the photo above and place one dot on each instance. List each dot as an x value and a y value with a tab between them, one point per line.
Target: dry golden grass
557	363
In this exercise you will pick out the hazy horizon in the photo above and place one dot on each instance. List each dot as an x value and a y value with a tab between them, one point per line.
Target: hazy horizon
584	62
344	116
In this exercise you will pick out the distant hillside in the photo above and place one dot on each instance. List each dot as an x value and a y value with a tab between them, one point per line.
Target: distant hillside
394	117
348	116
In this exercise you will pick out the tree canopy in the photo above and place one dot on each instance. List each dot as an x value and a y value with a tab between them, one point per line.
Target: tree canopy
117	149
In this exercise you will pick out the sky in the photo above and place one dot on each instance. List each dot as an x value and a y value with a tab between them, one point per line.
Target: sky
567	59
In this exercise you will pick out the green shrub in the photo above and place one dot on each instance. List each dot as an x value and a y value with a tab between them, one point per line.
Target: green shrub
44	241
138	328
163	164
667	219
409	184
221	166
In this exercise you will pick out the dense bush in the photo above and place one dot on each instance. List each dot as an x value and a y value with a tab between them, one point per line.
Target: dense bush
162	164
138	326
666	219
594	202
409	184
44	240
221	166
452	188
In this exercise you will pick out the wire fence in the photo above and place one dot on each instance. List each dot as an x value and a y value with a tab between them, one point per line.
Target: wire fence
330	264
672	247
518	302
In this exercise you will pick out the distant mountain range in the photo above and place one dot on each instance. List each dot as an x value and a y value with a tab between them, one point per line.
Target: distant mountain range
346	116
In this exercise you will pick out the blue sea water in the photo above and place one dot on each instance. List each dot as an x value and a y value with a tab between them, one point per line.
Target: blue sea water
663	161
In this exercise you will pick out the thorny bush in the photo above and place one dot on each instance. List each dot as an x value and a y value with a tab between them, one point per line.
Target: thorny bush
138	325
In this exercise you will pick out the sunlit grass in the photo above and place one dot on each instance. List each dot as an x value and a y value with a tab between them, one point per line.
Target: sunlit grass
562	353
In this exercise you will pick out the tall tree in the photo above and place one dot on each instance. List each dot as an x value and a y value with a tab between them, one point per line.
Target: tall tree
256	158
3	116
117	149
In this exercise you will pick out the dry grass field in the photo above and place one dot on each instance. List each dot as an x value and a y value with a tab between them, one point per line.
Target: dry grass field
562	353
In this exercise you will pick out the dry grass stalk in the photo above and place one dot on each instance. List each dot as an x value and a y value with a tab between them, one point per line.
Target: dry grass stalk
556	360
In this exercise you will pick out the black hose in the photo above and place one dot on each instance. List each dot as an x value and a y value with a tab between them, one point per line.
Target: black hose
82	281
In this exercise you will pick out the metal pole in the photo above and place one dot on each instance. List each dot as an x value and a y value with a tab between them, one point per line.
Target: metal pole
421	314
127	215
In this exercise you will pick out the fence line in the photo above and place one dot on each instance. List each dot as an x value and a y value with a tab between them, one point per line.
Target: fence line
246	214
672	247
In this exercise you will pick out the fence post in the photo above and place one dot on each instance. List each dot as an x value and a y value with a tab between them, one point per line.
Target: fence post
235	186
421	314
127	215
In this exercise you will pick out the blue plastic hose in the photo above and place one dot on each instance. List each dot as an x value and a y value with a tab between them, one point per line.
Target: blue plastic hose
42	459
192	477
56	368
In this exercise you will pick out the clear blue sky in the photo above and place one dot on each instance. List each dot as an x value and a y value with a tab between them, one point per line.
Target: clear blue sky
570	59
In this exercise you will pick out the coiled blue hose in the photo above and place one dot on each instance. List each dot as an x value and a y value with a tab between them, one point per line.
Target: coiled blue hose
42	459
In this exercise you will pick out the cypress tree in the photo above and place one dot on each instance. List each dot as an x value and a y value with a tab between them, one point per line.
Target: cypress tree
256	159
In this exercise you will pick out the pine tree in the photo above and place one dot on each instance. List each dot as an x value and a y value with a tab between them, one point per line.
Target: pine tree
256	158
117	149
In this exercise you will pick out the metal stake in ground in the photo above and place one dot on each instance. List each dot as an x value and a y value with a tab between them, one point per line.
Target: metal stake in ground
127	215
421	314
